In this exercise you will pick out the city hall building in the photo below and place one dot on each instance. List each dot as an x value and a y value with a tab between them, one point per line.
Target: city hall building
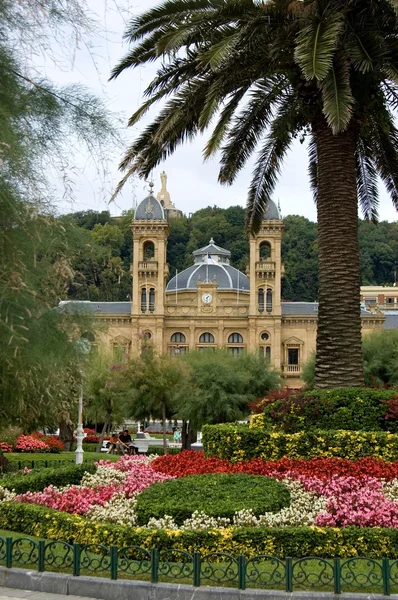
211	304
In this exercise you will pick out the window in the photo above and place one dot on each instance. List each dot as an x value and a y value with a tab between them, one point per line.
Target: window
235	338
149	250
389	300
261	300
236	351
264	336
178	350
143	300
293	356
178	337
147	335
269	301
206	338
151	300
268	352
265	251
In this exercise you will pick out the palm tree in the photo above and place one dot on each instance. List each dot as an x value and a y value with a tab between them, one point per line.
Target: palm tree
263	72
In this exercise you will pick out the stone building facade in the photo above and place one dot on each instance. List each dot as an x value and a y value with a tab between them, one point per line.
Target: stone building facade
211	304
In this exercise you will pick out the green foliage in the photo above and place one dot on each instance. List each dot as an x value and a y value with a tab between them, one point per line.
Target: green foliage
221	385
380	360
40	124
159	451
217	495
326	542
239	442
39	479
354	409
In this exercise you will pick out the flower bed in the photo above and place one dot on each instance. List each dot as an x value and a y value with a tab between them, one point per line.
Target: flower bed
325	494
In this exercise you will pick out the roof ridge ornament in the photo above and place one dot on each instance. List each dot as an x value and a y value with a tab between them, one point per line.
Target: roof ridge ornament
211	241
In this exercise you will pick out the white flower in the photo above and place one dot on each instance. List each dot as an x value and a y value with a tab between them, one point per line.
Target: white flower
119	510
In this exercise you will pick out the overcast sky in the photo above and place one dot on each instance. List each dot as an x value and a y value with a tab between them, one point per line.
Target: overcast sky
191	183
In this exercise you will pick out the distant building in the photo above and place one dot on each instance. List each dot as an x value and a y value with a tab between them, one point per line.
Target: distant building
211	304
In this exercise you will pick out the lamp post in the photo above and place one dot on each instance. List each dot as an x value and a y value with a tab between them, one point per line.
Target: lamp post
83	347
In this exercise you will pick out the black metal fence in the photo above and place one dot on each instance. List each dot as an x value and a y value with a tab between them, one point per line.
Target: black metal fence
215	568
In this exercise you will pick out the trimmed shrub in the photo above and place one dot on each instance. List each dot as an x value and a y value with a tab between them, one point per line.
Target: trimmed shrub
217	495
359	409
158	450
38	480
299	542
238	443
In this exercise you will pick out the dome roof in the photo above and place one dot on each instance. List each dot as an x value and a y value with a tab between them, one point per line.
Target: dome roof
211	262
271	213
149	209
227	277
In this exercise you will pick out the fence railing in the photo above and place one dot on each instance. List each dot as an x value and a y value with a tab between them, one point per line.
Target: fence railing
365	575
18	465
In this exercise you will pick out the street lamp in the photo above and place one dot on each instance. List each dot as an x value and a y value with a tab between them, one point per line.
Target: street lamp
83	347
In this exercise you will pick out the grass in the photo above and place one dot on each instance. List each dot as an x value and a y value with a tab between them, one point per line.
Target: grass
309	574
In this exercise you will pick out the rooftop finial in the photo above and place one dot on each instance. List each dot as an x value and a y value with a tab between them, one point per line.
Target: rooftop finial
151	184
279	208
211	241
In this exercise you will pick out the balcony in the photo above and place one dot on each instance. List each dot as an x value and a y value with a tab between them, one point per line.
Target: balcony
265	268
291	370
148	266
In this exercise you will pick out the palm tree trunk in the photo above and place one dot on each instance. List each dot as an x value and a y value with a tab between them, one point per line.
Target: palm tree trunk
339	342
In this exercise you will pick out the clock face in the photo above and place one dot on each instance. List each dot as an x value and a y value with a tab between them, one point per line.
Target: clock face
207	298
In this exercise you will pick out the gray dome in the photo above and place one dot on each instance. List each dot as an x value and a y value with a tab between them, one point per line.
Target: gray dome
227	277
149	209
271	213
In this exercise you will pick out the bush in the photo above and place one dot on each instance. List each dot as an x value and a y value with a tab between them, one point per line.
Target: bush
238	443
54	443
158	450
299	542
9	435
38	480
217	495
359	409
27	443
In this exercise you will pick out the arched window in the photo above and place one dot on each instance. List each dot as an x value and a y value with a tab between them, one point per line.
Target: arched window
268	352
147	335
269	300
235	338
261	300
178	338
143	300
149	250
265	251
206	338
151	300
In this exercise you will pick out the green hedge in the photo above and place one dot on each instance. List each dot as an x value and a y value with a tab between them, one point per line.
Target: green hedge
38	480
273	541
217	495
356	409
238	442
158	450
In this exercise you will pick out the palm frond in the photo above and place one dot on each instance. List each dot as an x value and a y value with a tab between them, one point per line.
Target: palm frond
316	44
221	127
217	53
337	96
249	125
368	196
365	47
284	127
383	142
313	167
166	14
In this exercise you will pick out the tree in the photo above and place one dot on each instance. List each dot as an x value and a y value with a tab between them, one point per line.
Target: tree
153	384
265	73
106	400
221	386
380	360
39	124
